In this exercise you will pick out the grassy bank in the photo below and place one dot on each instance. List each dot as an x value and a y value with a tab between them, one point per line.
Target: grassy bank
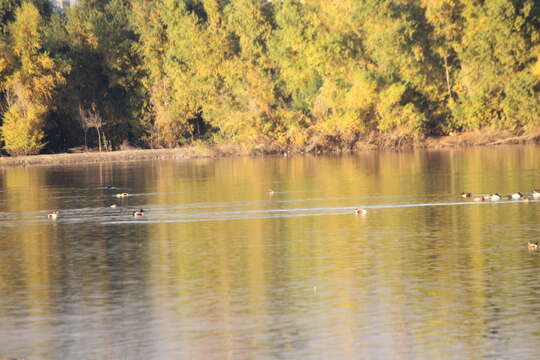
387	142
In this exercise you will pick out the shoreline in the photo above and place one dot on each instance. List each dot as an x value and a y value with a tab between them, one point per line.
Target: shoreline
389	142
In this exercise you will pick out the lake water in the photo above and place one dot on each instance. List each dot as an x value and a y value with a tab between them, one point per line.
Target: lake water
219	268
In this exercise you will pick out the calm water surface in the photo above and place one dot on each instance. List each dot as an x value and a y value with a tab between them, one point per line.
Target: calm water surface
218	268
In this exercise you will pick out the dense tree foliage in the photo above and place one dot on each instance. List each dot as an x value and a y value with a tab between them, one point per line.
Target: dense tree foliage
285	74
30	87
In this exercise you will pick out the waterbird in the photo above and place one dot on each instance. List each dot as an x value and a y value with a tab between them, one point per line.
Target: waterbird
122	195
53	215
360	212
495	197
271	192
465	195
536	194
532	246
480	198
517	195
114	205
507	197
139	212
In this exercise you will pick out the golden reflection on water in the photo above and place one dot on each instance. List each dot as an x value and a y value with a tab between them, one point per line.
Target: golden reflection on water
402	282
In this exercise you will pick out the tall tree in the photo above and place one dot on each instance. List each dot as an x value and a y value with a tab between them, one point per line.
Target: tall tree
243	109
97	39
7	12
496	86
401	69
31	86
149	19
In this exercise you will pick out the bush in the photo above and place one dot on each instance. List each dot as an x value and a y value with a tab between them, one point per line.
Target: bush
22	131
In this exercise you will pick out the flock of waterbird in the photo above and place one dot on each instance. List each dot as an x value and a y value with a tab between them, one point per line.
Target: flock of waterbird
535	194
140	212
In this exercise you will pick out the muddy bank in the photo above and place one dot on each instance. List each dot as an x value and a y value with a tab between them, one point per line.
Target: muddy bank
387	142
461	140
485	138
188	152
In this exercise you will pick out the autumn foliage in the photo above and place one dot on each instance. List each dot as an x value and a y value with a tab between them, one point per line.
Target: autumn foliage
286	75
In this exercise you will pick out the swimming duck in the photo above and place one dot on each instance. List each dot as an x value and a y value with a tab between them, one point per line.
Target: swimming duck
360	212
122	195
139	212
507	197
495	197
113	206
536	194
532	246
480	198
53	215
465	195
517	195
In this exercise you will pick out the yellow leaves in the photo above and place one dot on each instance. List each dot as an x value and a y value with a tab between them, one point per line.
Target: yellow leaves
246	20
30	87
6	59
443	14
25	30
345	125
260	91
3	65
536	68
82	31
214	14
338	14
339	113
22	131
37	79
362	93
37	72
326	100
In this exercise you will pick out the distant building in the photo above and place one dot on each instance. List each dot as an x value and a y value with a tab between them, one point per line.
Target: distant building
64	4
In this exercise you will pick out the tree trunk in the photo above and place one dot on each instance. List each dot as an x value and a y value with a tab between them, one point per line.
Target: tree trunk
448	86
99	138
105	142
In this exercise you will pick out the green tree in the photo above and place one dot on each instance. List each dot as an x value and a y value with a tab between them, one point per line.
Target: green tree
410	79
496	86
184	46
244	106
95	37
445	17
293	48
291	74
149	22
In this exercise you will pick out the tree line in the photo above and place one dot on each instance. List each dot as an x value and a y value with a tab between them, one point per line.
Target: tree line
286	74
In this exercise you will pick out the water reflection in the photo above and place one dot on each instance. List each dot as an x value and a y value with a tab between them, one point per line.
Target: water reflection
219	268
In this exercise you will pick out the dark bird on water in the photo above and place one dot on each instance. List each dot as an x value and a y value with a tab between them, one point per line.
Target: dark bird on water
139	212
